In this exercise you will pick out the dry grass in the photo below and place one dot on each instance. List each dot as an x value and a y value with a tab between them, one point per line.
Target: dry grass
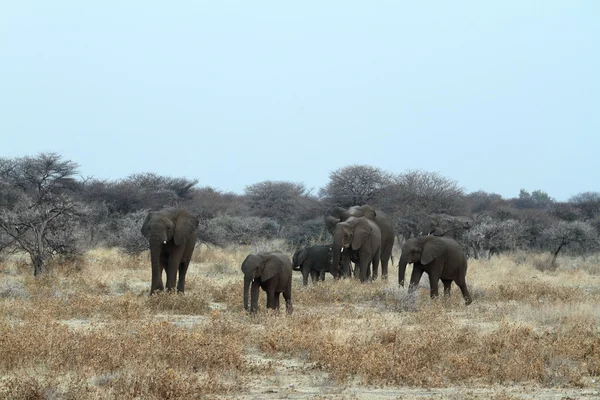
91	331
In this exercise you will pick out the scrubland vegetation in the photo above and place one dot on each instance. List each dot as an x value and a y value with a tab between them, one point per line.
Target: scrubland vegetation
89	330
77	322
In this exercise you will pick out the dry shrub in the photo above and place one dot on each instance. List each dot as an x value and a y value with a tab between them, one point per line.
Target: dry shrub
533	290
116	259
545	263
231	294
343	291
146	357
80	305
191	303
68	336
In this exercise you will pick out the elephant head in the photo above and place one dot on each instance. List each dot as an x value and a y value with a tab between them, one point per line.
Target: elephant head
170	224
422	249
298	259
350	234
261	266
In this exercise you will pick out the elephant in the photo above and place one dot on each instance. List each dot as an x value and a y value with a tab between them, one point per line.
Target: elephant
171	233
441	257
313	261
271	271
361	237
340	214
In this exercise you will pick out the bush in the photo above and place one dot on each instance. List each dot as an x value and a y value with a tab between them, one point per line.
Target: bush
242	230
311	232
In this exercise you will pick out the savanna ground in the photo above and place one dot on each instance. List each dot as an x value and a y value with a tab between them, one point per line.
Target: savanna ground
90	331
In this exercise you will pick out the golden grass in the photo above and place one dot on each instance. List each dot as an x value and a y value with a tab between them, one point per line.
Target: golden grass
91	331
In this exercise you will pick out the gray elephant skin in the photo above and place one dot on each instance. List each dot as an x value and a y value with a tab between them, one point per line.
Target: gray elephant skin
441	258
314	261
271	271
340	214
360	236
171	233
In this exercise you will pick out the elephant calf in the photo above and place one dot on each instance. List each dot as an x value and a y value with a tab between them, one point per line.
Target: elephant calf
314	261
271	271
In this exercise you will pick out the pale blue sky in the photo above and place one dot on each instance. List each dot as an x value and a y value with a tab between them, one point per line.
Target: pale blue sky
498	95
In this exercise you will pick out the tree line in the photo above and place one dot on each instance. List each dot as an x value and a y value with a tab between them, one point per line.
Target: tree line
51	213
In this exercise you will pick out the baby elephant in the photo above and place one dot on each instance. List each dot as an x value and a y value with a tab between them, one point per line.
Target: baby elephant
271	271
314	260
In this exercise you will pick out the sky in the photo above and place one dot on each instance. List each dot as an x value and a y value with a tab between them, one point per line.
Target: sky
497	95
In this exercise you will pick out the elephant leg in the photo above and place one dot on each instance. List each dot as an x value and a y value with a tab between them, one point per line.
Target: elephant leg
447	283
305	273
364	270
322	276
375	265
287	295
172	267
255	291
271	298
386	254
314	276
157	272
277	301
415	277
465	292
182	271
346	266
433	284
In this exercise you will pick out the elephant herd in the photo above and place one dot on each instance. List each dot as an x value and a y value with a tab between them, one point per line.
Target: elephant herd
361	235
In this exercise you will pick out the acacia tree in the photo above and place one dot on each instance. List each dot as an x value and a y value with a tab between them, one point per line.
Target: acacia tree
576	235
285	202
414	196
38	215
355	185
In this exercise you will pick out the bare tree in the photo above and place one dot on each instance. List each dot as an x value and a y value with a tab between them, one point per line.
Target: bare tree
588	203
492	236
413	197
576	235
355	185
279	200
537	199
42	217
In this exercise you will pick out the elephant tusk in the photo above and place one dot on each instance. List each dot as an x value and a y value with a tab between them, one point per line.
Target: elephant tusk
165	242
342	250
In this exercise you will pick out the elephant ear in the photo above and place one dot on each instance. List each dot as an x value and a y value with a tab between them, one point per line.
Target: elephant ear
432	249
185	225
273	266
302	254
146	225
369	212
330	223
362	233
247	267
338	212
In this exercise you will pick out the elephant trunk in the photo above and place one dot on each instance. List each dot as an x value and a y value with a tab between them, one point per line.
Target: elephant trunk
336	249
247	283
156	243
402	269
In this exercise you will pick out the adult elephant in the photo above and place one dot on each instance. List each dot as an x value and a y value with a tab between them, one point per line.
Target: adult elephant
441	257
360	236
171	233
271	271
339	214
313	261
